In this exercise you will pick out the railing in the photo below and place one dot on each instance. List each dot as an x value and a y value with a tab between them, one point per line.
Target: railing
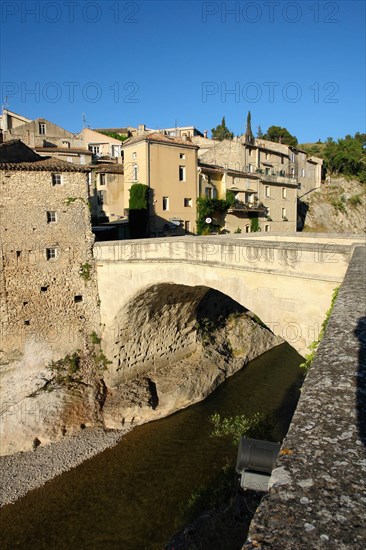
279	178
241	206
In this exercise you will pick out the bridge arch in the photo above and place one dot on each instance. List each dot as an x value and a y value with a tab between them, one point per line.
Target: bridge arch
287	284
159	324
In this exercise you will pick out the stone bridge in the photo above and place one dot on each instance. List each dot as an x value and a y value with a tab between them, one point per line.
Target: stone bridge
286	280
317	496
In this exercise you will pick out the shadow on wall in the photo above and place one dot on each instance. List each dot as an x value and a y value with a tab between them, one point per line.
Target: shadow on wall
360	332
302	210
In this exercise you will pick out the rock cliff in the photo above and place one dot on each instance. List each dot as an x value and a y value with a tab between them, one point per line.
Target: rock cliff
338	207
174	346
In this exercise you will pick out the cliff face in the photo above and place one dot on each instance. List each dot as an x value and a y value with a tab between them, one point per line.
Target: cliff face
175	345
176	384
338	207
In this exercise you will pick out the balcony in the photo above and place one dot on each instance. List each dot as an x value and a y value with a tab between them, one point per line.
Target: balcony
280	177
241	207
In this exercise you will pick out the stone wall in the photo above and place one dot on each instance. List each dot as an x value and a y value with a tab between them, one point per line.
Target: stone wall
48	306
53	301
317	489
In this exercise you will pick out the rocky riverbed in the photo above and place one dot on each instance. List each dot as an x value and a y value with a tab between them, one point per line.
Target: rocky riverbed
24	471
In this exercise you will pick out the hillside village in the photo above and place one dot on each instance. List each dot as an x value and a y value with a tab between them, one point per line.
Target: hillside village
245	184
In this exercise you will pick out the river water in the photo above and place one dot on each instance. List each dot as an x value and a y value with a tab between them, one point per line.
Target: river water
130	497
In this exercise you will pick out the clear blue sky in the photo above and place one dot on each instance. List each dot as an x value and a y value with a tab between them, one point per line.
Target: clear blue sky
295	64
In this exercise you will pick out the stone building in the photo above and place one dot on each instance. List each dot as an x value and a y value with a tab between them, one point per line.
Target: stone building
107	193
48	290
168	166
265	177
45	138
101	146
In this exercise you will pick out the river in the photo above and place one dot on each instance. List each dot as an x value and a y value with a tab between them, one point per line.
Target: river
130	497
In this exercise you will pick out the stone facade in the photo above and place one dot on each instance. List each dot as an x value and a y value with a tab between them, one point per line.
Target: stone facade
48	288
107	193
46	138
262	172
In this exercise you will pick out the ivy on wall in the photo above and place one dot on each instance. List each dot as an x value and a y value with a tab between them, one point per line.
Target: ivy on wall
139	211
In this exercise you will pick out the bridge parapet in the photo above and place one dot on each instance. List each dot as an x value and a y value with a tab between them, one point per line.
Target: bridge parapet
324	260
318	495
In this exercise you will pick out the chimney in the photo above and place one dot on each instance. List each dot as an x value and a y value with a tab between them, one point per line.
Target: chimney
141	129
205	134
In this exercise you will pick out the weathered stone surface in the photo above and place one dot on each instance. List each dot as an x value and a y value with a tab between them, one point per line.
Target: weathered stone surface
319	501
167	386
48	305
331	208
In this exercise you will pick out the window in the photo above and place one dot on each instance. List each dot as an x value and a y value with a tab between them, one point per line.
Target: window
266	170
250	168
165	203
95	149
182	173
78	298
100	197
134	155
208	192
302	172
135	172
187	202
266	228
66	144
292	157
51	253
187	226
284	213
42	128
292	172
284	193
102	179
247	229
51	217
182	156
56	179
267	191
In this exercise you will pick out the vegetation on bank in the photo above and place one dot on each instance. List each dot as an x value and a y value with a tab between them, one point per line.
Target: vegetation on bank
78	367
224	486
235	427
314	346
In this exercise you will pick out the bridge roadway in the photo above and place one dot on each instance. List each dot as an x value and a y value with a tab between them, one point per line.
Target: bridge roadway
286	280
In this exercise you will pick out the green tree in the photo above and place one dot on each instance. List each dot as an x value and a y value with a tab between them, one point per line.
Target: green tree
259	133
221	131
346	156
280	135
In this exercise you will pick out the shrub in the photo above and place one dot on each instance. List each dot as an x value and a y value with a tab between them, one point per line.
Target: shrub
355	200
236	427
85	271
